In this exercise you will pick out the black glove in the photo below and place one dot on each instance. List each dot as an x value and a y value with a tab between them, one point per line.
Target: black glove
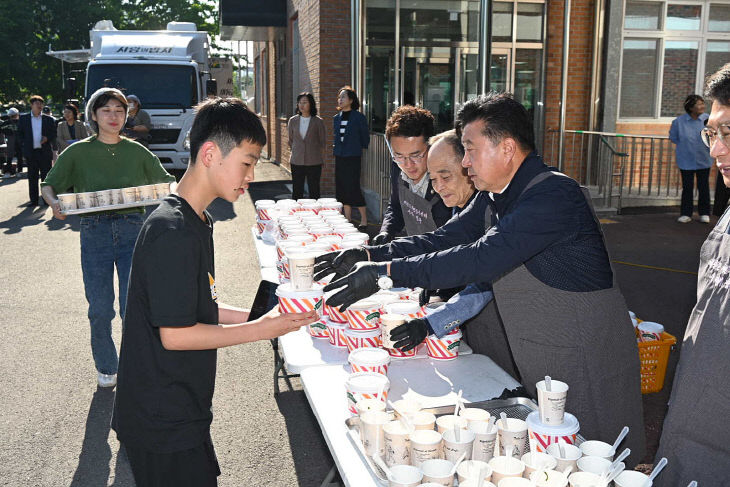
424	297
360	283
410	334
381	239
339	262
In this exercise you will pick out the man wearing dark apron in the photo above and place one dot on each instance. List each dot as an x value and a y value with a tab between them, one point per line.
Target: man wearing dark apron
697	427
558	309
414	206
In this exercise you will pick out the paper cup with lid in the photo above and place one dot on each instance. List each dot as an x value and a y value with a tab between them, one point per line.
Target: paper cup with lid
333	241
263	209
292	301
360	238
365	385
318	329
445	348
369	359
67	201
547	435
335	205
336	334
364	315
371	432
411	310
650	331
356	339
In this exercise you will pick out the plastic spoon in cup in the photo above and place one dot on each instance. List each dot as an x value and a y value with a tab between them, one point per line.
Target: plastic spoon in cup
533	448
490	424
482	474
458	403
380	392
456	465
457	433
403	418
619	459
380	463
561	448
621	436
658	468
693	484
548	384
610	474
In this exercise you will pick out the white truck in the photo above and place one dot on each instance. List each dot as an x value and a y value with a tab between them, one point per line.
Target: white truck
169	70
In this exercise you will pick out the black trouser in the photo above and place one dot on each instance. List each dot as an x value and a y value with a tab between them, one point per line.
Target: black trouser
703	187
722	195
312	174
38	164
9	153
195	467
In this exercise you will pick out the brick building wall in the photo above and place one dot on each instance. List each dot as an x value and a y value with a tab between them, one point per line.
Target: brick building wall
579	70
324	61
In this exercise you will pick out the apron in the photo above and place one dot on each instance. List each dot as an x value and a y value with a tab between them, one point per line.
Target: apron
417	214
696	434
585	339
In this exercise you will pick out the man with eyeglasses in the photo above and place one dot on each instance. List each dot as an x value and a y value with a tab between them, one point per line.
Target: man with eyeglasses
414	205
696	430
532	242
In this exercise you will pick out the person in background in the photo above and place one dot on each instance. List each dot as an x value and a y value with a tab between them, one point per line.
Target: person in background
139	123
414	206
175	320
693	158
351	136
37	134
696	429
9	128
70	129
307	142
105	161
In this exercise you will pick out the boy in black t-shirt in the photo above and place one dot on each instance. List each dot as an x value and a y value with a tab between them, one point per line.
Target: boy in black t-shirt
174	322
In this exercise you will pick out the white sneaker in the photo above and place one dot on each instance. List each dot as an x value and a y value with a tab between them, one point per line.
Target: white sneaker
685	219
107	380
705	218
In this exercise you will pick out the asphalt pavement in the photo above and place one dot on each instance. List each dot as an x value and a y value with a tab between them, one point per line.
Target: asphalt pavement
55	421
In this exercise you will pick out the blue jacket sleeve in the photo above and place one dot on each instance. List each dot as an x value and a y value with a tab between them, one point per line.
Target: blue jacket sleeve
464	228
461	307
393	221
543	215
674	132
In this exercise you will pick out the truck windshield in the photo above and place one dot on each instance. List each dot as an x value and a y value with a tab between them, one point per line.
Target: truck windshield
156	85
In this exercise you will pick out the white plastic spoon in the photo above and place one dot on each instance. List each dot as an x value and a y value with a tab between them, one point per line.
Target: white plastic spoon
561	448
380	463
482	474
403	418
490	425
457	433
610	475
548	384
620	438
693	484
458	403
619	459
658	468
456	465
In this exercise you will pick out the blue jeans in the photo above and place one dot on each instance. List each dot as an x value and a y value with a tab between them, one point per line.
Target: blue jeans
106	241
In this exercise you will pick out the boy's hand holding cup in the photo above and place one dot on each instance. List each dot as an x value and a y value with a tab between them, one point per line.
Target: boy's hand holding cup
276	324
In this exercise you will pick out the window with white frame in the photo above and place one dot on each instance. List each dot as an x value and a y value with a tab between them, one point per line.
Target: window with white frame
668	48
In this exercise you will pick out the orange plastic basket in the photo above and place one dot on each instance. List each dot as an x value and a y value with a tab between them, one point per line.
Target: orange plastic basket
654	356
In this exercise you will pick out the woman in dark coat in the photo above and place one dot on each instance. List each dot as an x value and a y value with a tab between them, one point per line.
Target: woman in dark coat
351	136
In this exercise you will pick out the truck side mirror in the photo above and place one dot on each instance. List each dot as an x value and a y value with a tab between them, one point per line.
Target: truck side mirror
211	87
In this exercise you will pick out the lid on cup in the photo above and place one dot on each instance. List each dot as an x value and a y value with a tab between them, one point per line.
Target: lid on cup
265	204
367	382
362	333
365	305
651	327
327	200
402	307
301	201
369	357
334	324
287	291
569	427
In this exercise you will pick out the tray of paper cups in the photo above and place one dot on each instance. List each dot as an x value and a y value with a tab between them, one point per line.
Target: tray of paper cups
112	199
424	444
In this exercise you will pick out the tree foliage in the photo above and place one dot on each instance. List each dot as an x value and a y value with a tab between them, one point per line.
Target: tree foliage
28	28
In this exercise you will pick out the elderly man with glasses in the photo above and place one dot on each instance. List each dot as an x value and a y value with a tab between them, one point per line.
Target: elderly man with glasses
414	205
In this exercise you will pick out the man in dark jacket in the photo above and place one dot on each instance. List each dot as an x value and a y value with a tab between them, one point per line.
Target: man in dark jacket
37	133
414	205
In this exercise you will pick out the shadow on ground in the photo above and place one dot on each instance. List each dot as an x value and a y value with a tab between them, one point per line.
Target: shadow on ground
305	436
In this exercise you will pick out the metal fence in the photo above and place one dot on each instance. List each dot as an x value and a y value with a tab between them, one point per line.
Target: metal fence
619	166
375	171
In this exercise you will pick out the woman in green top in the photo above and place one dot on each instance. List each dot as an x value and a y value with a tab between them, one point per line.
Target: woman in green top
105	161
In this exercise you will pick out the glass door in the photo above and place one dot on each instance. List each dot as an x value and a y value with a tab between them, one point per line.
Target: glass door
500	65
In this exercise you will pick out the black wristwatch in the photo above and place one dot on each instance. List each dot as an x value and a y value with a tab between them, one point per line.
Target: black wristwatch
384	280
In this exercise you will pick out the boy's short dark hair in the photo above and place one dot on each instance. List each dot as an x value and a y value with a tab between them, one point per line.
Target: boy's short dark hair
227	122
410	121
503	117
351	95
35	98
717	87
691	101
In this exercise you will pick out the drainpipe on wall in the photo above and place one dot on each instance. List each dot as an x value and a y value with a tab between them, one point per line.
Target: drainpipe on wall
355	45
485	44
564	82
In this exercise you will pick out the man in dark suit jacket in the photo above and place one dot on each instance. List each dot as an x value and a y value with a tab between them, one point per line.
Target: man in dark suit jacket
37	133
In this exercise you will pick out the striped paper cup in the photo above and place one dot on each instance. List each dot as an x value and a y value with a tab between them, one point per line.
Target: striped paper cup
362	339
365	385
282	267
364	315
545	435
369	360
318	329
263	209
446	348
291	301
395	353
410	309
336	333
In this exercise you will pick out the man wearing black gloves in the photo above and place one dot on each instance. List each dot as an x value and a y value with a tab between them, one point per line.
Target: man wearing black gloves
532	236
414	206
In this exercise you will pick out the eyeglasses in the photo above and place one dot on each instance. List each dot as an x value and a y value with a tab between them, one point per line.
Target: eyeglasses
415	159
710	135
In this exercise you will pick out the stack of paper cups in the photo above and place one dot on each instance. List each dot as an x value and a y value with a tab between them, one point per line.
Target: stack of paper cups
369	360
263	209
388	322
365	385
446	348
547	435
364	315
410	309
291	301
362	339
